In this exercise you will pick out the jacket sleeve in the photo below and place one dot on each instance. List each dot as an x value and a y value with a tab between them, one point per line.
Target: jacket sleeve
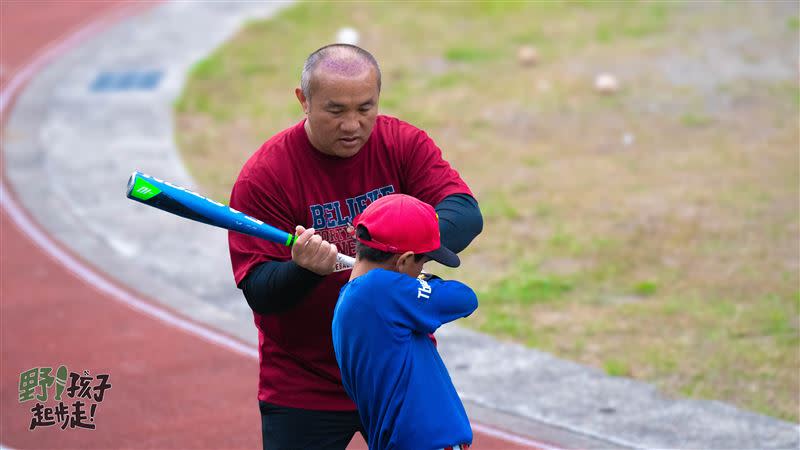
423	306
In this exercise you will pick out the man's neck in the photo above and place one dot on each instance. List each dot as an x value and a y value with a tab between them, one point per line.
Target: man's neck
307	129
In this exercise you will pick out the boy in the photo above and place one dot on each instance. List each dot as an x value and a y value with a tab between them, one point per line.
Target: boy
390	367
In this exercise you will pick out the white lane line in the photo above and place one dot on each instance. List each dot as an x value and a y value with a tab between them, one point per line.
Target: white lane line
97	281
82	271
101	284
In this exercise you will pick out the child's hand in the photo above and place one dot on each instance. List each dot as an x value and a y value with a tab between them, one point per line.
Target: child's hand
425	276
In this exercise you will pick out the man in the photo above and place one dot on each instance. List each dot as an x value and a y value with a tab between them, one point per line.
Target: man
315	177
380	329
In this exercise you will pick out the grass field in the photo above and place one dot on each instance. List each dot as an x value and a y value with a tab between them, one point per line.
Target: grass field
652	233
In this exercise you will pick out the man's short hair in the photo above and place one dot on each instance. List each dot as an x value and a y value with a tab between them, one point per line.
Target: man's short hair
333	51
368	253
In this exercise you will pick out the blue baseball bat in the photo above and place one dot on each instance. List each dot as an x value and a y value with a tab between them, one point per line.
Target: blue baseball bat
182	202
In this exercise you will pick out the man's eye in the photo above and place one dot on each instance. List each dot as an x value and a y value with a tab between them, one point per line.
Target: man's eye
365	108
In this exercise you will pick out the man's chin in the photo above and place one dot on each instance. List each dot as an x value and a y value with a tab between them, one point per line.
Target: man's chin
343	151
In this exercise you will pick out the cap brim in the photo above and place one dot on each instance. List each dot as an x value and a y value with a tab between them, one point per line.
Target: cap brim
444	256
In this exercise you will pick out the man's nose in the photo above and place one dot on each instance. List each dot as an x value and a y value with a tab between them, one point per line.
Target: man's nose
351	124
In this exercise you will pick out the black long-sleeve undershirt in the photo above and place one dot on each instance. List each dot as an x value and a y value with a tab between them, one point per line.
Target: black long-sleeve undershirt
273	286
460	221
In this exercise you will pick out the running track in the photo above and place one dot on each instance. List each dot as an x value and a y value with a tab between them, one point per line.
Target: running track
171	388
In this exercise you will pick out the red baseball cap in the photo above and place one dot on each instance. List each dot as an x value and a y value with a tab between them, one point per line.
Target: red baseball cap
399	223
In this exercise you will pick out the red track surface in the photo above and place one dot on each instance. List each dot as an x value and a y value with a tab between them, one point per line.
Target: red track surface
171	389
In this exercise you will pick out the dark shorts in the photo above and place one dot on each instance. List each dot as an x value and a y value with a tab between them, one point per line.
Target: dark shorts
284	428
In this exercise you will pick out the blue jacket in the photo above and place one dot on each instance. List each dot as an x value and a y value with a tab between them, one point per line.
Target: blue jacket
390	367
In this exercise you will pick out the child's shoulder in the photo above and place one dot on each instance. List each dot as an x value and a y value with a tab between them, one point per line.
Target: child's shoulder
378	275
382	277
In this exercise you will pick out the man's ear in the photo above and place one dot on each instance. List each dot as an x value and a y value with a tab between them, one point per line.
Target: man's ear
404	262
302	99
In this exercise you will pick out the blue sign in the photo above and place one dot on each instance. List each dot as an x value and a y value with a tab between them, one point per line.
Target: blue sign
126	81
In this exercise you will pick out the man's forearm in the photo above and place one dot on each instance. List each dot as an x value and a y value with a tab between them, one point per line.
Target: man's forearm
460	221
273	287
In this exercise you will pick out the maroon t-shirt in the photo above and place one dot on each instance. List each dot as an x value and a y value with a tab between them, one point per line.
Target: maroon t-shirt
287	183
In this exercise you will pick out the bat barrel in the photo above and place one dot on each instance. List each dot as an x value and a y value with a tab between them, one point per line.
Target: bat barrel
185	203
190	205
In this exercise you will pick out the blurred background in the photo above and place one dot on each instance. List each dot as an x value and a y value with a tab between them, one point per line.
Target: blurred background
636	164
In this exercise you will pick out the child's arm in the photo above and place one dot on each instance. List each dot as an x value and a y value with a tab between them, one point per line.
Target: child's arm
423	305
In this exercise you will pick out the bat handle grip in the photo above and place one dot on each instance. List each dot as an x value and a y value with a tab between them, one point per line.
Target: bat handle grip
348	261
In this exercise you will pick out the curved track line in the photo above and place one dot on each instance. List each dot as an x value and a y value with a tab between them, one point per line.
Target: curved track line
506	436
103	285
40	238
91	277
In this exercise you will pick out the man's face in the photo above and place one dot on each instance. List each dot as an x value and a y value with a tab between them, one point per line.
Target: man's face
341	111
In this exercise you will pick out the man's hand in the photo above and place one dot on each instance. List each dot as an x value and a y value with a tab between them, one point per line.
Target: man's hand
311	252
